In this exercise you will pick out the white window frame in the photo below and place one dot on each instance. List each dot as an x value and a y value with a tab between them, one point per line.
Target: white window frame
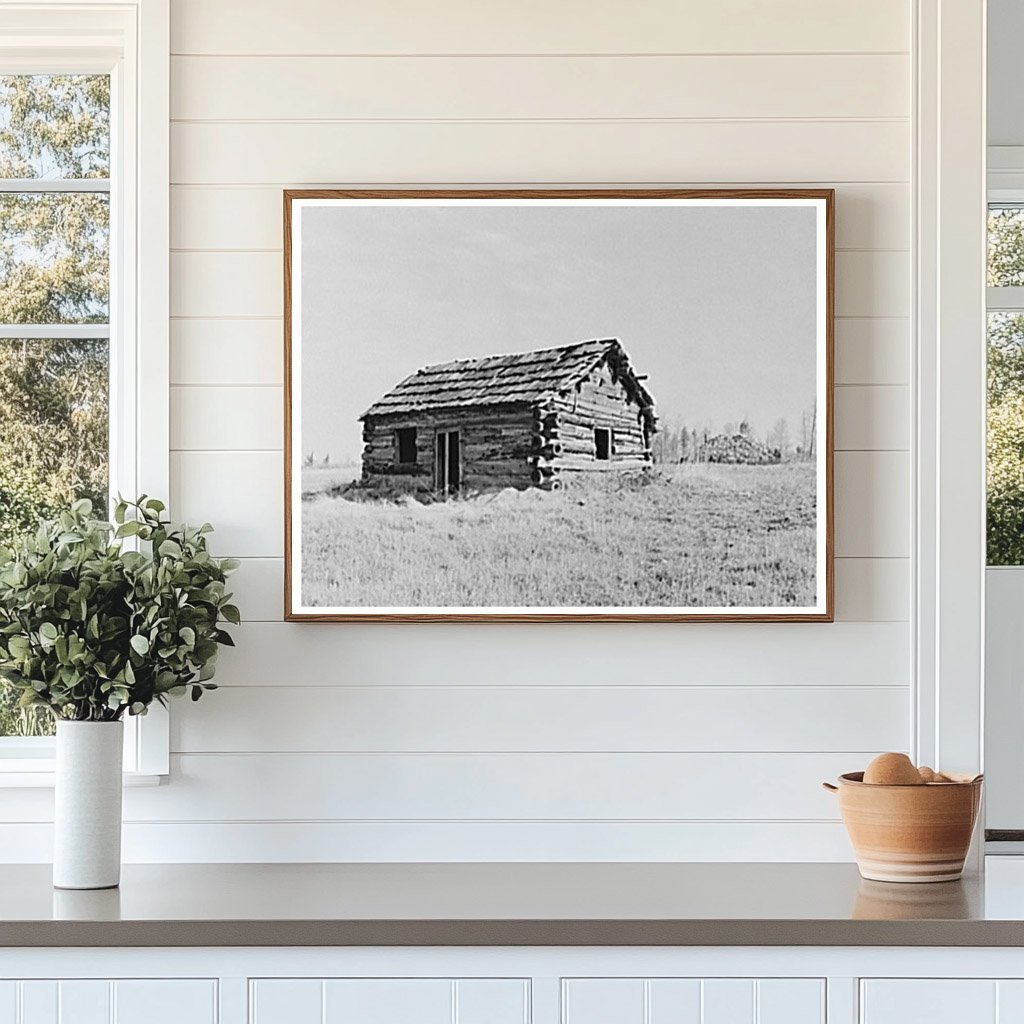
1005	588
130	41
948	447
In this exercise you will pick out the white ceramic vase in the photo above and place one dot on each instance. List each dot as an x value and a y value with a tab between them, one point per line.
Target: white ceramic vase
87	807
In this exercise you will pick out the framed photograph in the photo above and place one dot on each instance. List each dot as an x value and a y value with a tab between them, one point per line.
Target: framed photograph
564	405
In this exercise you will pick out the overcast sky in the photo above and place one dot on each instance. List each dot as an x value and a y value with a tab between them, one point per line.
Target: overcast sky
715	304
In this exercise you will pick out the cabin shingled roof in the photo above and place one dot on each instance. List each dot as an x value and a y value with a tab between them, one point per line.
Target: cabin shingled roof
523	377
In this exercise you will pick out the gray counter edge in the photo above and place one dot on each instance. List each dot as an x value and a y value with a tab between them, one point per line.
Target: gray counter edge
251	933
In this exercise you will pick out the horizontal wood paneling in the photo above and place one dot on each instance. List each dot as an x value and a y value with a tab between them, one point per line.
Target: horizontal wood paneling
227	352
872	283
206	284
326	841
549	718
256	787
867	589
868	216
233	284
575	26
872	351
241	493
872	589
872	418
241	418
583	654
538	88
582	151
872	504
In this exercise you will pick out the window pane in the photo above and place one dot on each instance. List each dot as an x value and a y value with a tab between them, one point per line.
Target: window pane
54	126
1006	439
54	258
53	449
1005	246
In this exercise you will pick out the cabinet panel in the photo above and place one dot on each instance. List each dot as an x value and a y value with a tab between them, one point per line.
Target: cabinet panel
8	1002
39	1003
674	1001
935	1001
603	1001
388	1001
787	1001
84	1002
727	1001
1010	1002
165	1002
100	1001
693	1001
285	1001
492	1002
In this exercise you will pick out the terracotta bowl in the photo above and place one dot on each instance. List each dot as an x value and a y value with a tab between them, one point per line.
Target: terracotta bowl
909	833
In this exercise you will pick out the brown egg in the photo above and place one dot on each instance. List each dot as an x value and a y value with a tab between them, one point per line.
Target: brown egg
929	774
892	770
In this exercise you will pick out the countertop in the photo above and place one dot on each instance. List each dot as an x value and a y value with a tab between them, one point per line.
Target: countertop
492	904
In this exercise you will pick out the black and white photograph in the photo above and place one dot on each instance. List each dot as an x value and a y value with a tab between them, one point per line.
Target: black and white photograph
565	405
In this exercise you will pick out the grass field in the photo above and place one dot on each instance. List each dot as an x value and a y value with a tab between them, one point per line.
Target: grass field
691	536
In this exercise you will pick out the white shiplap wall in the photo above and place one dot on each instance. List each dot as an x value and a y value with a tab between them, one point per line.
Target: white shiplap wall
653	741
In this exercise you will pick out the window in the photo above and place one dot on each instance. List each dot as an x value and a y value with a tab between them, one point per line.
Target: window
406	445
54	307
1005	476
602	444
83	262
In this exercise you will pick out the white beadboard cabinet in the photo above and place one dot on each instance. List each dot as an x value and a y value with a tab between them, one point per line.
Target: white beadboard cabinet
693	1001
514	985
102	1001
942	1001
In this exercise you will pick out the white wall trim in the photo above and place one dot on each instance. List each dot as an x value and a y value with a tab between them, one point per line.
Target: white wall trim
950	436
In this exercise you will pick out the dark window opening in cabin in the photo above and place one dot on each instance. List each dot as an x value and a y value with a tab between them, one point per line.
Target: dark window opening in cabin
406	445
603	443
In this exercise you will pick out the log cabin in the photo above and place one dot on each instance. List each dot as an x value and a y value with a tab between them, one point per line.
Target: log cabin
527	419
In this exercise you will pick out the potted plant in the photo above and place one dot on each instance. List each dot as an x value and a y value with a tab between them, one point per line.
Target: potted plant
94	629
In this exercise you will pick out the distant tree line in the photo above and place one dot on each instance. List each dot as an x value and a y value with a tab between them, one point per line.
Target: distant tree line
679	442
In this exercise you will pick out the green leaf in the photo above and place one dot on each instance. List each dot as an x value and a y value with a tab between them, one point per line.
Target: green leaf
170	549
231	613
140	644
18	646
188	634
48	631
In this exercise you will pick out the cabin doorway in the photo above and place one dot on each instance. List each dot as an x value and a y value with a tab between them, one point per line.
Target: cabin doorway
448	462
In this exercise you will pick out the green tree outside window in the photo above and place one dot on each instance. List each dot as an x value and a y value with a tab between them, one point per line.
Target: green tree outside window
54	271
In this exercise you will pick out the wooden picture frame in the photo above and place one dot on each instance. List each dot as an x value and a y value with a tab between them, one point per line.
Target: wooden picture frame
421	391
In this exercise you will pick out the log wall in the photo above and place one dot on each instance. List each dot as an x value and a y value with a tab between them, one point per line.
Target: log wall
564	429
496	445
